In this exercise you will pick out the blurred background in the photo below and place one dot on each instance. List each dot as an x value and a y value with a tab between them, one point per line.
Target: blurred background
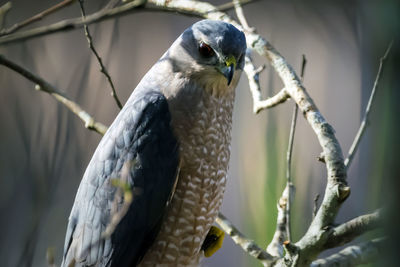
44	148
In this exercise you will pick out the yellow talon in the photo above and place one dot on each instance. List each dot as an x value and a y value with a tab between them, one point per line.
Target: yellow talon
213	241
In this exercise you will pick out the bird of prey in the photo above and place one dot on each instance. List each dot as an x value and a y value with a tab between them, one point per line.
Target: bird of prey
175	131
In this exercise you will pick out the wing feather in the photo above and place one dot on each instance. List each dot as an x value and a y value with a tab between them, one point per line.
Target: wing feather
141	133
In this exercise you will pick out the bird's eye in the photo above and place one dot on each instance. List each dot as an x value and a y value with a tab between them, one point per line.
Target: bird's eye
205	50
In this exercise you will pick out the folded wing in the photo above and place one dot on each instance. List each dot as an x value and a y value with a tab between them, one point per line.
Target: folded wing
141	135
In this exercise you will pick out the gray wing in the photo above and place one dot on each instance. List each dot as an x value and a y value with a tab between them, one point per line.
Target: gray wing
141	133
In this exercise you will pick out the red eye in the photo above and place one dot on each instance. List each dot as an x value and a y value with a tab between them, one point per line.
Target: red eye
205	50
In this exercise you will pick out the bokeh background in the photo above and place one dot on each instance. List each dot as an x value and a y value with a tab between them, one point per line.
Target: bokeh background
44	149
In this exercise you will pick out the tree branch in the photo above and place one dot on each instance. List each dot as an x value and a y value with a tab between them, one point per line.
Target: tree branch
247	245
289	183
37	17
75	23
3	13
99	60
275	248
346	232
59	95
228	6
240	15
354	255
364	122
255	88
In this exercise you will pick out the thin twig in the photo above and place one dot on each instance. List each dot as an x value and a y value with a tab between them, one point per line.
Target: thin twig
253	76
59	95
3	13
247	245
99	60
228	6
289	183
354	255
364	122
75	23
240	15
37	17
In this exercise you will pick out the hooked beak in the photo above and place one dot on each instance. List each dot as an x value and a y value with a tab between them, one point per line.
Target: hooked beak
228	68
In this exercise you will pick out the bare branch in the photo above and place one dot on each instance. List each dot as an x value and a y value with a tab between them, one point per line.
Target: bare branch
364	122
346	232
289	183
275	248
59	95
3	13
227	6
247	245
99	60
255	88
241	16
37	17
354	255
75	23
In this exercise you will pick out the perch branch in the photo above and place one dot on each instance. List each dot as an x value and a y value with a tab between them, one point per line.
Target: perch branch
247	245
99	60
346	232
59	95
37	17
354	255
364	122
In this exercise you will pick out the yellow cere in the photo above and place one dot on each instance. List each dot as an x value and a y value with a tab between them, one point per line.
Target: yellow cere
213	242
231	60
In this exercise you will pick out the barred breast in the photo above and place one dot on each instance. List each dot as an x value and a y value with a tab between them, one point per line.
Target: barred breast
204	137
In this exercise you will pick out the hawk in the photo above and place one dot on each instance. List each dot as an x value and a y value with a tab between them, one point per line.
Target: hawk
175	131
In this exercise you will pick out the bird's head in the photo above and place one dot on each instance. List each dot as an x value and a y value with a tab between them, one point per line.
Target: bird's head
211	53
